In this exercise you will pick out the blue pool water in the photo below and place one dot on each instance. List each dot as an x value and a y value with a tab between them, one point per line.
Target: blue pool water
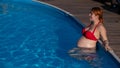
35	35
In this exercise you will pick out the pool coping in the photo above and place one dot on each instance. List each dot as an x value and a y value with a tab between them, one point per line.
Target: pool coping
110	51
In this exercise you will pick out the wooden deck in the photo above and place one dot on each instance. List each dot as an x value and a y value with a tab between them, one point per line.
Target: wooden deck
80	9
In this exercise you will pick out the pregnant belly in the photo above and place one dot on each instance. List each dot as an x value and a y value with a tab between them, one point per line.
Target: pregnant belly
86	43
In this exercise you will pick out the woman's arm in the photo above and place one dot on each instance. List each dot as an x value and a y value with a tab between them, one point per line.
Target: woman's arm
105	41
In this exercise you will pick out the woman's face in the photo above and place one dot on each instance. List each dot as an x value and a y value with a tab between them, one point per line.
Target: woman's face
92	16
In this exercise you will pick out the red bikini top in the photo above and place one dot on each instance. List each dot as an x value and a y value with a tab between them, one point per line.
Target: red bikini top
88	34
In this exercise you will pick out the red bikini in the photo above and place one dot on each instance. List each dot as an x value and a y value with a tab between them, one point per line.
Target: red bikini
88	34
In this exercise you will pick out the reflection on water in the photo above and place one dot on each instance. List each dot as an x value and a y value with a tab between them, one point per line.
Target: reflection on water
86	54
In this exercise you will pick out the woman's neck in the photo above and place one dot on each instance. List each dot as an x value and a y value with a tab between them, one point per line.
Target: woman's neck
96	22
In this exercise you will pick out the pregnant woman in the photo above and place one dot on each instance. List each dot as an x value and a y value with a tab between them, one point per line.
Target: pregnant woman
91	34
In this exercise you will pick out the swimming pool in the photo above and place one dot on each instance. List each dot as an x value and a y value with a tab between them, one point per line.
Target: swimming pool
35	35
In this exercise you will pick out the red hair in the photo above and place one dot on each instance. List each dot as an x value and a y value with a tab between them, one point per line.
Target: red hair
98	11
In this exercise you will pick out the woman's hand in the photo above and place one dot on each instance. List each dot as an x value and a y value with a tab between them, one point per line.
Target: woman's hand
108	48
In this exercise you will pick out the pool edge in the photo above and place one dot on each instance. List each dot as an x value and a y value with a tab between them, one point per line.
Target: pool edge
66	12
114	55
111	51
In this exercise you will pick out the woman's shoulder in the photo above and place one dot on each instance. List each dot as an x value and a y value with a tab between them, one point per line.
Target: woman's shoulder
101	27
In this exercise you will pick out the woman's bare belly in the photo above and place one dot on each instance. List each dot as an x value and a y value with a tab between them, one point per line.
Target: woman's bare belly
86	43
